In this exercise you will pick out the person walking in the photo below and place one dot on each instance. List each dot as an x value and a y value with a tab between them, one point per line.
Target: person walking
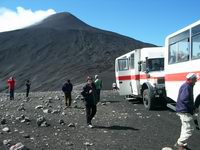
90	97
67	89
185	109
98	84
28	86
11	87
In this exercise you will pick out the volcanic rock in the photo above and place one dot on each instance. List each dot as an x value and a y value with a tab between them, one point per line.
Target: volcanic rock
6	129
3	121
18	146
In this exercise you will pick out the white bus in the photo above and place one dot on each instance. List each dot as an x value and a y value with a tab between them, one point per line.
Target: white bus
182	57
140	73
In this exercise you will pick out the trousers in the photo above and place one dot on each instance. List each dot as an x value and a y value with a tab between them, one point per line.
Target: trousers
187	128
11	94
27	92
90	112
98	94
68	98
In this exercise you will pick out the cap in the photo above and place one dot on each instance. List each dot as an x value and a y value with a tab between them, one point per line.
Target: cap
192	76
96	76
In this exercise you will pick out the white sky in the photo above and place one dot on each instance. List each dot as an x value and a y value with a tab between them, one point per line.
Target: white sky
20	18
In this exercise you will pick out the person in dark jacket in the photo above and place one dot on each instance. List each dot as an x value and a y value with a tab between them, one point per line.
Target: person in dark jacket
67	89
28	86
90	97
185	109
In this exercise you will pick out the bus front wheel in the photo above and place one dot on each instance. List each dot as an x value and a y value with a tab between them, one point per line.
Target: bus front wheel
148	101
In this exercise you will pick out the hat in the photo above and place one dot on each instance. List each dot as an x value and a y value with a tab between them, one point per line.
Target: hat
192	76
96	76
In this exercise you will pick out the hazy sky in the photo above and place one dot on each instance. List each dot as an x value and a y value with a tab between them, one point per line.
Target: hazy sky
146	20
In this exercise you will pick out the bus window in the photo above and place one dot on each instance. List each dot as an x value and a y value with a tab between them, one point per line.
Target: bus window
172	53
179	48
183	50
156	64
196	47
122	64
132	61
196	42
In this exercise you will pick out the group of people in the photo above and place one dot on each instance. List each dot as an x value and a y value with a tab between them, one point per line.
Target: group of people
91	93
11	87
185	106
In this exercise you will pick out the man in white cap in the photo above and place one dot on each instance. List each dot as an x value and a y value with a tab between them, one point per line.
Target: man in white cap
185	109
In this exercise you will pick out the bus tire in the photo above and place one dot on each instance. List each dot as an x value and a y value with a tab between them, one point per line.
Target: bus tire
148	101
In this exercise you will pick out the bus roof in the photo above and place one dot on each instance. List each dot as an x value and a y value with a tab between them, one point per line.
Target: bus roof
146	52
184	29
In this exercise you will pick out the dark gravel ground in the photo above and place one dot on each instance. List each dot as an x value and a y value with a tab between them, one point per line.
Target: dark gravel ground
119	124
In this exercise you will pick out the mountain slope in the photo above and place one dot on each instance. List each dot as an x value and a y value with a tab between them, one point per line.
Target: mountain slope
58	48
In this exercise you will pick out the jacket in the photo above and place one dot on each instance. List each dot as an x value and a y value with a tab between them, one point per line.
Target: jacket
67	88
90	98
185	101
98	84
11	83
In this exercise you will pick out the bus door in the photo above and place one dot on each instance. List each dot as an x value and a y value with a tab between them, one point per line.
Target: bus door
135	82
124	77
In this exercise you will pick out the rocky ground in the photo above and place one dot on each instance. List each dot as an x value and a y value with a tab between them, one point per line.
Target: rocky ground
42	123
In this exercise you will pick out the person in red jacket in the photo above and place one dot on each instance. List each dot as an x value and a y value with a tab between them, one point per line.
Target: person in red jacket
11	86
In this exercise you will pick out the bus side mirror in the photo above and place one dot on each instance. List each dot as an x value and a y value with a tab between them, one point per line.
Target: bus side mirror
147	70
139	65
144	67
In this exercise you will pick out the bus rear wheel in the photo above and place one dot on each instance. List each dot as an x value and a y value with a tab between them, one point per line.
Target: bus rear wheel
148	101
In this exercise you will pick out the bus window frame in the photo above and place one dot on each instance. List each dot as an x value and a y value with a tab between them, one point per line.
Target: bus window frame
195	31
127	64
192	54
132	61
171	42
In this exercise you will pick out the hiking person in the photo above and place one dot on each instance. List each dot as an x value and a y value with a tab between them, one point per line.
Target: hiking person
28	86
67	89
11	87
185	109
98	84
90	97
114	87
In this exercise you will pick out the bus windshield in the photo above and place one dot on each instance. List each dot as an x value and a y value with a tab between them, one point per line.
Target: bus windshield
156	64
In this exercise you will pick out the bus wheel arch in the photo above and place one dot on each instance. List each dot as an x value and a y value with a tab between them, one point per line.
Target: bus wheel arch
197	101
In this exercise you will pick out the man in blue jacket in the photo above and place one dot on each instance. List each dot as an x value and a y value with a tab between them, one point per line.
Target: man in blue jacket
185	109
67	89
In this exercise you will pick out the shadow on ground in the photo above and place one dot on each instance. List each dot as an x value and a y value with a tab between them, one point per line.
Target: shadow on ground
110	101
116	127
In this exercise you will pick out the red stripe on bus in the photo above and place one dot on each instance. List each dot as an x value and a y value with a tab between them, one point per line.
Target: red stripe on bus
134	77
178	76
168	77
128	77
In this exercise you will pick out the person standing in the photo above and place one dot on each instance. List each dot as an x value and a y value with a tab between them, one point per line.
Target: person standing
67	89
98	84
90	97
28	86
185	109
11	86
